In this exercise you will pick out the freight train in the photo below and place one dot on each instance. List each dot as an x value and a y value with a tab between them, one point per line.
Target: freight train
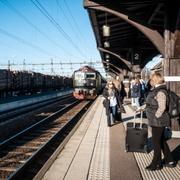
87	83
23	82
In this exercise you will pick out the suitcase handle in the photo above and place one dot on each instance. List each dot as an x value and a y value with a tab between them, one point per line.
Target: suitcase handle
141	112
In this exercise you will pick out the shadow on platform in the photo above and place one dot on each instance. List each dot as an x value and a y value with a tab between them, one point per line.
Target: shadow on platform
176	154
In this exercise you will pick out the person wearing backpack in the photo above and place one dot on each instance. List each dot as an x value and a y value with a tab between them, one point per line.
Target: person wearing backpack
157	112
136	93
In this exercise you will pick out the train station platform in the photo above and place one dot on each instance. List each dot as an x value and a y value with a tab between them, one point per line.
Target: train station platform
26	100
97	152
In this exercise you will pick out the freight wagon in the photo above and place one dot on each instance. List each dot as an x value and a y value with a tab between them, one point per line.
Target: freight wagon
14	83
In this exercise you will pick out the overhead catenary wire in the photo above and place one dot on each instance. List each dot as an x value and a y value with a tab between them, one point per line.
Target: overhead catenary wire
12	8
39	49
81	34
51	67
74	29
73	25
57	63
41	8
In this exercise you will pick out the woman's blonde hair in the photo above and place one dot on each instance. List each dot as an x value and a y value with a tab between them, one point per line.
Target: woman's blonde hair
157	77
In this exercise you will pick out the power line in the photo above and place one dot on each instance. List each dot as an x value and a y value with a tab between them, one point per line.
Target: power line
39	6
68	20
2	31
74	28
55	63
75	22
12	8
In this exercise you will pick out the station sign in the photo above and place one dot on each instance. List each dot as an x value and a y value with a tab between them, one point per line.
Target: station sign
136	58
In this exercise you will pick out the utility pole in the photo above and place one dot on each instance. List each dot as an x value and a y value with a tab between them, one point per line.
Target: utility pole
52	68
9	65
24	65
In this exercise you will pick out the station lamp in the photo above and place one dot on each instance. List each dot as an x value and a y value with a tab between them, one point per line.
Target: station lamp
106	44
107	56
106	28
106	31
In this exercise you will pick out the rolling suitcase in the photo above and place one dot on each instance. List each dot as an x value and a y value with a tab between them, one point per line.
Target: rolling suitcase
136	136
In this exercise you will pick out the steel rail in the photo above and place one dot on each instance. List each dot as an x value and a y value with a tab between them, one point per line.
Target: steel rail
19	171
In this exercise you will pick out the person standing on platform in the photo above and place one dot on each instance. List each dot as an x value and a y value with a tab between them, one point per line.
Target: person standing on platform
120	88
123	93
142	92
158	117
111	102
117	84
136	93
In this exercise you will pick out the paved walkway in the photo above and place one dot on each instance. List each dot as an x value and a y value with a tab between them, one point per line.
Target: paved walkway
86	156
96	152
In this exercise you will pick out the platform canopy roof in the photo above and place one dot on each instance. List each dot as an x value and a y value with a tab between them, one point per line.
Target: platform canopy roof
136	31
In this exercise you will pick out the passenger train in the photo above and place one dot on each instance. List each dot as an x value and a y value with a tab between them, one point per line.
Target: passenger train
87	83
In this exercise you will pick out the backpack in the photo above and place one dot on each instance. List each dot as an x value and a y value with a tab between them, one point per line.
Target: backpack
135	88
173	104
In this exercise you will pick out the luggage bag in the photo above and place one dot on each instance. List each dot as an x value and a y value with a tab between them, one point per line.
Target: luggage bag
136	136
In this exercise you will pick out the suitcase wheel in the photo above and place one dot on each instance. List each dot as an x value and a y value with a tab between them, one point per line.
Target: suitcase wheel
127	148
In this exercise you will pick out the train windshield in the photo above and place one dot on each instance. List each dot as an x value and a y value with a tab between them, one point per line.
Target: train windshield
90	76
79	75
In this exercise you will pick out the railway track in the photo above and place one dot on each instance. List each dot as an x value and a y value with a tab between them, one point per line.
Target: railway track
22	155
5	116
16	123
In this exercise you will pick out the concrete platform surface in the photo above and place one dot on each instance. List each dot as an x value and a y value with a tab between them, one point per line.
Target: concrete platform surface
97	152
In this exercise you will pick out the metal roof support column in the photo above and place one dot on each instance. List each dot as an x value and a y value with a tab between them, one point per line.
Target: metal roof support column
153	35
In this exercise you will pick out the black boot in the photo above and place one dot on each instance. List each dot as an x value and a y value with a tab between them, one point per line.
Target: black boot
169	164
153	167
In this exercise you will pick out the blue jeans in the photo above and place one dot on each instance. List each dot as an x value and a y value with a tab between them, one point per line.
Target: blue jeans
113	110
115	115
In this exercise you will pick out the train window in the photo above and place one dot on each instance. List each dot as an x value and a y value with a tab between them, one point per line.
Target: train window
90	76
79	75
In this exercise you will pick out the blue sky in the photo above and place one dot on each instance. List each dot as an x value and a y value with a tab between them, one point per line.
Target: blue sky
154	61
21	19
26	35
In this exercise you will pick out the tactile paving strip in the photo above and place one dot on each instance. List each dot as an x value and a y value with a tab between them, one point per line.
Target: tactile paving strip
144	160
100	164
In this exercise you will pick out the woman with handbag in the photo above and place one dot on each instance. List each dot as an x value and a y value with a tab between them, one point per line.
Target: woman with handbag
112	103
159	119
